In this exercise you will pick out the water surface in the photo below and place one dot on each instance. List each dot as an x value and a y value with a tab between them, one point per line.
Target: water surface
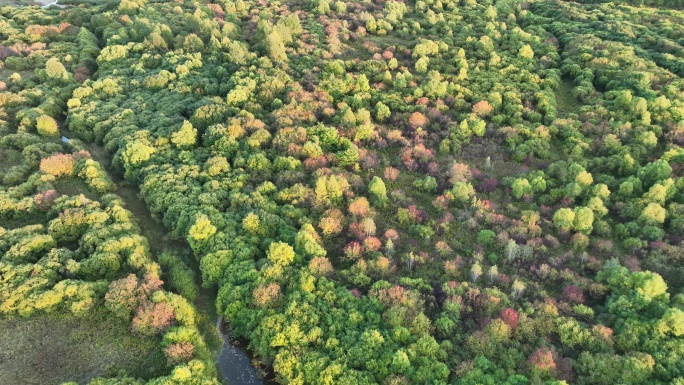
233	362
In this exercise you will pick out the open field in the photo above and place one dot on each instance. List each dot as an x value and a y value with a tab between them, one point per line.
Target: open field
55	349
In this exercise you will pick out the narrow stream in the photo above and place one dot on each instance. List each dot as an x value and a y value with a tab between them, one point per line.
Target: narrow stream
233	362
48	3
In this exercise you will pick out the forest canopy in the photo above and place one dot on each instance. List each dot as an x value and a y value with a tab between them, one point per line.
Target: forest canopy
379	192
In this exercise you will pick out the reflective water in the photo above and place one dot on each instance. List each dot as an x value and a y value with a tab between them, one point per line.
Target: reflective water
47	3
233	362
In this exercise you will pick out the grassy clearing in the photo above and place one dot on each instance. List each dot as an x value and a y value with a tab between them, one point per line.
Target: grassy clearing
74	186
9	158
565	102
31	219
207	314
51	349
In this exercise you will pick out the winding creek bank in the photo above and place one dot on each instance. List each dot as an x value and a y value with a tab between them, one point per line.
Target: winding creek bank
48	3
233	362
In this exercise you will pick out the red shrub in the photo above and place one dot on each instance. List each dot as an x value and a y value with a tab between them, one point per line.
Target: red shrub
416	214
384	264
459	172
219	14
632	264
542	360
482	108
123	296
489	185
391	173
369	161
395	295
441	202
503	279
42	30
510	317
179	353
603	332
372	244
395	136
573	294
152	318
81	154
451	268
443	248
355	230
320	266
446	219
391	234
477	174
266	294
126	294
316	163
422	153
81	74
6	52
417	119
45	199
432	168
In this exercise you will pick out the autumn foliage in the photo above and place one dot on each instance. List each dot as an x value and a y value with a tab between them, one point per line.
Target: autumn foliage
58	165
542	360
417	119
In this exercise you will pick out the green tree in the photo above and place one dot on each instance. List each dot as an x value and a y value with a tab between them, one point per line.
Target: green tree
583	220
280	254
382	112
137	153
654	172
564	218
378	191
521	186
672	322
653	213
54	69
526	52
185	137
307	242
202	229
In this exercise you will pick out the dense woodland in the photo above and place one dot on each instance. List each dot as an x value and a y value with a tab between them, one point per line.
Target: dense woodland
381	192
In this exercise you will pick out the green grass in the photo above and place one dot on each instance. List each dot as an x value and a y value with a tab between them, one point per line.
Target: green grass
565	102
9	158
74	186
51	349
207	317
29	219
